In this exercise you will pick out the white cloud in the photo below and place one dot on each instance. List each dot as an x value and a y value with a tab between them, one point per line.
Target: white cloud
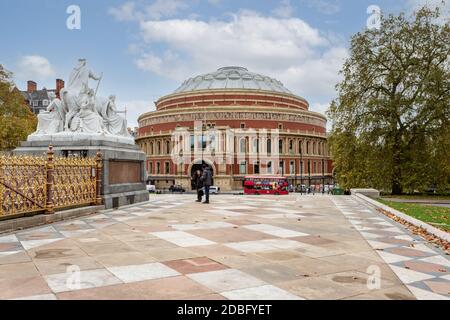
165	8
159	65
324	6
35	67
289	49
134	109
414	5
285	10
318	76
159	9
319	107
124	12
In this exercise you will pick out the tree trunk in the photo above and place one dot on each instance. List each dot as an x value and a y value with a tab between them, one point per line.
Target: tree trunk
397	187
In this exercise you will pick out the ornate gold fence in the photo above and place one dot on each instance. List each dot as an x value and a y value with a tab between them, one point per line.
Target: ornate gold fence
32	184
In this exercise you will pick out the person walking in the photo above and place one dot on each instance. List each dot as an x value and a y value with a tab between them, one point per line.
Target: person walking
198	185
207	181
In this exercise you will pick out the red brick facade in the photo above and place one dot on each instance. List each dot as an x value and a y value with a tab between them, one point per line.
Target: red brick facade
288	114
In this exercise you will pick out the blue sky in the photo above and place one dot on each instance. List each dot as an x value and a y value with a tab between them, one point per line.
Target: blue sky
147	48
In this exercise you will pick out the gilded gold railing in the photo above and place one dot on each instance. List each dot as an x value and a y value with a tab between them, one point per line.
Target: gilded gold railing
31	184
22	184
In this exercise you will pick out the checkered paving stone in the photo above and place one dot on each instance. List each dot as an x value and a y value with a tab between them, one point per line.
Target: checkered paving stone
195	265
238	247
424	269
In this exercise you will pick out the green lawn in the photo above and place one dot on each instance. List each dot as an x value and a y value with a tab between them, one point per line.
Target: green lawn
418	197
438	217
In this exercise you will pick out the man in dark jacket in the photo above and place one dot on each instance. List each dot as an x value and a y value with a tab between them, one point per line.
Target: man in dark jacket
207	181
198	184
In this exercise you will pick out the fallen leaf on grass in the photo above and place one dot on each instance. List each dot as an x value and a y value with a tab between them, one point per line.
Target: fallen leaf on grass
444	245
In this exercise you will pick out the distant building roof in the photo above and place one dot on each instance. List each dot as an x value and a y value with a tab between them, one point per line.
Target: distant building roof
232	78
37	95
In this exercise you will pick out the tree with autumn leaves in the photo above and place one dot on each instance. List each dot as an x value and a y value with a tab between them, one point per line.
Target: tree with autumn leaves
390	119
16	119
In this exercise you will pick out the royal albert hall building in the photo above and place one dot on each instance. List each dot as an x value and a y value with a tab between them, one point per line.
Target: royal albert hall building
275	134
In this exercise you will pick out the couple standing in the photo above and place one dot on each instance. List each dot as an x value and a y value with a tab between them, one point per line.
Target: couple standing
201	180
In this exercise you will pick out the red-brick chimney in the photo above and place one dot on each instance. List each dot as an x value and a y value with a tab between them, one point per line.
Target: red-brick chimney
59	86
31	86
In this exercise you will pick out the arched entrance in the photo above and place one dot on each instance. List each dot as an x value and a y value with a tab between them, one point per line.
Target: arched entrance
198	165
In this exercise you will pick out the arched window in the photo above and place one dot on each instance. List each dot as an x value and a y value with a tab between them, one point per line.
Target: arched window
291	146
150	167
280	146
300	145
167	147
158	148
308	147
255	148
242	145
313	148
269	167
256	168
269	146
151	148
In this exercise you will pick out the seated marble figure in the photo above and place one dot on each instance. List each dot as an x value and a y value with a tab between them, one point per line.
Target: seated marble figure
114	123
52	120
87	120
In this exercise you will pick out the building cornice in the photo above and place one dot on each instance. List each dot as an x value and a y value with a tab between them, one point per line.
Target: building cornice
199	93
208	109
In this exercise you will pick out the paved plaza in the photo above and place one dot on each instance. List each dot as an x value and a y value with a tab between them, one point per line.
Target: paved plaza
237	247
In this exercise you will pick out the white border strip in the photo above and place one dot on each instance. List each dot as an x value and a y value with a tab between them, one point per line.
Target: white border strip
434	231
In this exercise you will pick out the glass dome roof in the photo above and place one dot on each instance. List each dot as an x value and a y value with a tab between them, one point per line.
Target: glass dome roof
232	78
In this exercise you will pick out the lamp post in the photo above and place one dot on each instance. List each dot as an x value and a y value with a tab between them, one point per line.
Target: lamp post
201	142
181	167
301	172
309	173
295	174
323	176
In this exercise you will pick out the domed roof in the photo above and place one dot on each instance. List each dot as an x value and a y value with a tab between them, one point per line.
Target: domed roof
232	78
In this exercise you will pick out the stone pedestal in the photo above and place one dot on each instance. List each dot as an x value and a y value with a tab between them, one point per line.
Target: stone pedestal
124	176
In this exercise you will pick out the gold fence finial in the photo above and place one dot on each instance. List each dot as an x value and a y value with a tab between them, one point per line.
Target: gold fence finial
50	152
98	174
49	169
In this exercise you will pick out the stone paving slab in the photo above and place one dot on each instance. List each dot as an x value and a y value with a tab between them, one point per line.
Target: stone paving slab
238	247
408	256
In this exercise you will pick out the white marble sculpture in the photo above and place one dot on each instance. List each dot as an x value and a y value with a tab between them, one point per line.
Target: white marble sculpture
87	119
114	123
52	120
80	114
